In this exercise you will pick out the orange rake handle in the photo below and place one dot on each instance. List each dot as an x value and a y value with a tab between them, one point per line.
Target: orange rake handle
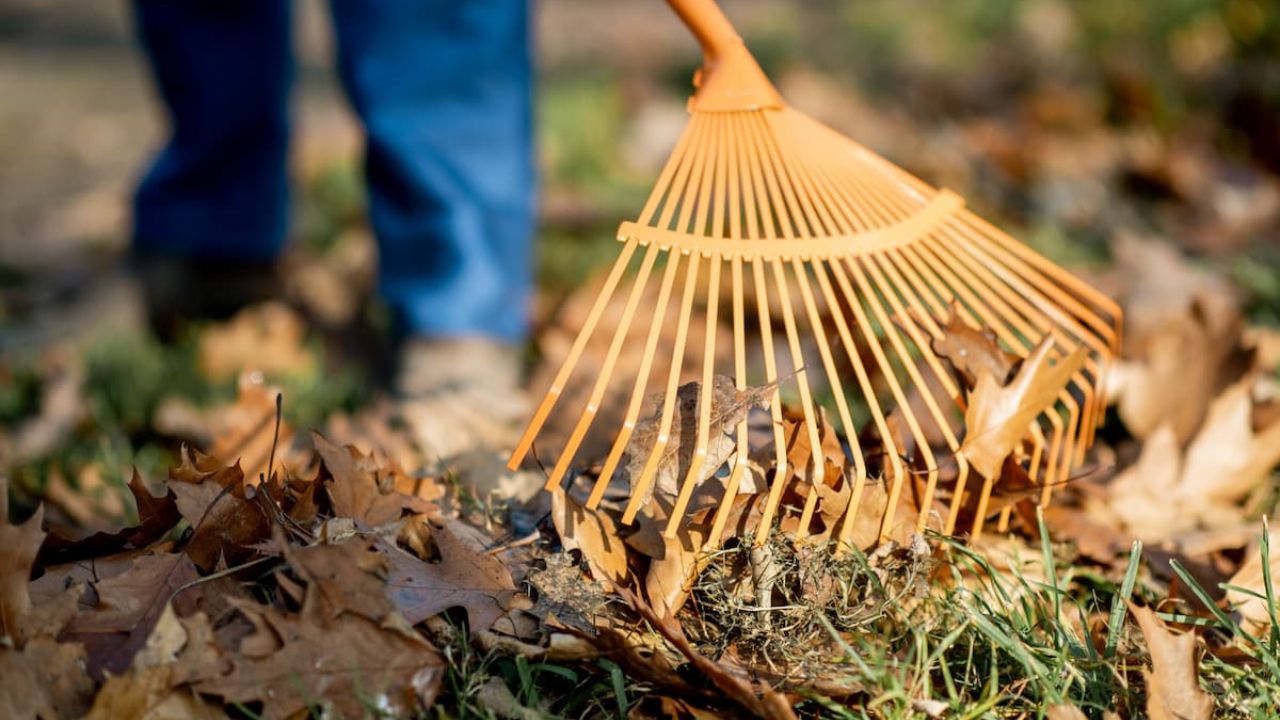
730	79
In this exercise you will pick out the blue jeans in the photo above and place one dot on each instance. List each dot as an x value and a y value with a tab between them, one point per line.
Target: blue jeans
444	91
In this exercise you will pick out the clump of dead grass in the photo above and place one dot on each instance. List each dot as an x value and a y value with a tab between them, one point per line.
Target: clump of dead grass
786	606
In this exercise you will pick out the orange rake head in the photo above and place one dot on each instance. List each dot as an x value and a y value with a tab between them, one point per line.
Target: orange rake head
777	216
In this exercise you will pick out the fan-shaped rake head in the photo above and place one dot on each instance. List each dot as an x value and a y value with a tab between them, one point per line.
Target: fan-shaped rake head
800	238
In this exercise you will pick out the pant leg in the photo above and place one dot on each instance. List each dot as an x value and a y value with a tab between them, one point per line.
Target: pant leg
444	89
218	190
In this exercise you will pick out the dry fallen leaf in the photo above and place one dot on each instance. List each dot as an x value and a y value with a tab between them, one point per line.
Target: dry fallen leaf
729	406
361	490
267	338
1173	689
999	414
45	679
350	665
243	432
1066	711
128	607
348	577
1169	492
593	533
1253	610
466	576
226	525
972	351
176	652
21	543
1182	366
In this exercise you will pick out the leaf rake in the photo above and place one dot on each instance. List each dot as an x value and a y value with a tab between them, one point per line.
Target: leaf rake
856	256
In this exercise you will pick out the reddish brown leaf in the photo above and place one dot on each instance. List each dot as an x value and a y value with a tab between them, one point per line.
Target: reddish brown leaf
129	604
464	577
156	517
350	665
360	490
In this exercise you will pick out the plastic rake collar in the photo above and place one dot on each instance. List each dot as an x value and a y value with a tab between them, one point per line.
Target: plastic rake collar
773	215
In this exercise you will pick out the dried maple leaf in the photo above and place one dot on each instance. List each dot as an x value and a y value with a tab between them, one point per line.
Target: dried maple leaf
591	532
1173	688
350	665
1000	413
1168	492
466	576
360	490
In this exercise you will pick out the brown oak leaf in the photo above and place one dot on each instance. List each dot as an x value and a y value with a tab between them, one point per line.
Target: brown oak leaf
465	576
350	665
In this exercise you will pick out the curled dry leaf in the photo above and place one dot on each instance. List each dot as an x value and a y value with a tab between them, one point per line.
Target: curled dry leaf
1169	492
1173	688
212	498
592	533
1000	413
360	489
972	351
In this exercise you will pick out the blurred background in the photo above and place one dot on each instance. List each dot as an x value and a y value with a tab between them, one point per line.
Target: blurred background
1105	134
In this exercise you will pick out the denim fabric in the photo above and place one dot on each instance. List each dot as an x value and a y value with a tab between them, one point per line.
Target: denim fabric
444	91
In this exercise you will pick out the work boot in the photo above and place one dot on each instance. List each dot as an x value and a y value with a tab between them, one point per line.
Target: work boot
461	396
179	290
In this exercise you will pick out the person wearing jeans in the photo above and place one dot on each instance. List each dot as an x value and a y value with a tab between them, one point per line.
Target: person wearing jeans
443	89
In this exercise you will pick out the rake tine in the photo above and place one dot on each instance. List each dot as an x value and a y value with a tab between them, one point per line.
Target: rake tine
640	488
713	178
606	371
740	375
772	167
570	361
642	379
